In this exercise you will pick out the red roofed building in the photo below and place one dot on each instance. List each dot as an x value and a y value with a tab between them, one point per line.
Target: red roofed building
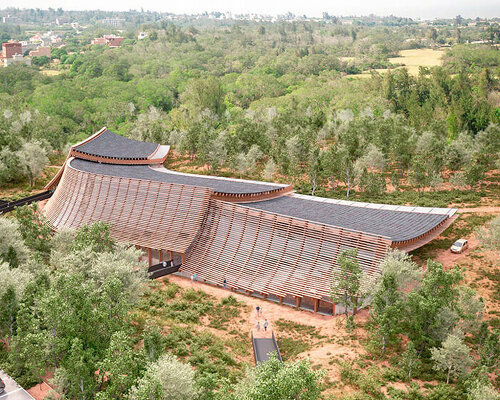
110	40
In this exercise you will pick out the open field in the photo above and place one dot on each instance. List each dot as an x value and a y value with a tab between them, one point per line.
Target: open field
413	59
410	59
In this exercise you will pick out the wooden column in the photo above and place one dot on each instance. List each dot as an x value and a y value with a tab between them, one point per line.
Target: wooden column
281	300
159	256
297	301
333	309
149	257
183	258
170	256
316	305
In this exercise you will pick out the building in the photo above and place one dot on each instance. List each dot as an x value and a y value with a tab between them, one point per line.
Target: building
110	40
41	51
115	22
10	49
142	35
12	53
11	20
259	238
16	59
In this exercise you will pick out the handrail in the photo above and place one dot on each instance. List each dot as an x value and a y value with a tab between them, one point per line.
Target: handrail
9	206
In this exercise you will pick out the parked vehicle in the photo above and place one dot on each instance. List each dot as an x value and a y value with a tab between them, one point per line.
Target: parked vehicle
2	386
459	246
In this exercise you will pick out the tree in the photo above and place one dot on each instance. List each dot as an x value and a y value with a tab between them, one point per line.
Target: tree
453	357
152	338
269	169
386	311
346	281
425	306
32	160
119	369
35	232
95	237
204	93
165	379
490	236
8	312
274	380
409	360
12	247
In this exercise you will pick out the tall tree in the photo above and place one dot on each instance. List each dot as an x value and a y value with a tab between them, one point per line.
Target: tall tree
453	357
346	281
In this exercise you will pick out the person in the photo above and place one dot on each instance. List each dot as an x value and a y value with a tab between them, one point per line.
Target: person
224	283
258	310
266	324
195	276
258	325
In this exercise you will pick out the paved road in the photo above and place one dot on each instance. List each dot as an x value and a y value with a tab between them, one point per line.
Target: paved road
12	390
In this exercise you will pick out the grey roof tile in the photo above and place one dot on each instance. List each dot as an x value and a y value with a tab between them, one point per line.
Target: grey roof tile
109	144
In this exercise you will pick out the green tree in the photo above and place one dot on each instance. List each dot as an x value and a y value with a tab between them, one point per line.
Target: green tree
346	282
409	360
165	379
453	357
12	247
386	311
32	160
274	380
35	232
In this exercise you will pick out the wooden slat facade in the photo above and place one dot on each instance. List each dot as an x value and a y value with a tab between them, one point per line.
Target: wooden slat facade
268	253
145	213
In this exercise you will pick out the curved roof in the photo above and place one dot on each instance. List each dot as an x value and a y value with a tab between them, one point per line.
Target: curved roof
220	185
396	222
107	146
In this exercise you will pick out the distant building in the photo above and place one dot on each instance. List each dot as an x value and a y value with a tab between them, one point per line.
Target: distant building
12	53
16	59
41	51
110	40
63	20
28	46
11	20
142	35
10	49
116	22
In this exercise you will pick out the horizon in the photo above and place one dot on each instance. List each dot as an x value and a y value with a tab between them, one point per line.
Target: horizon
426	9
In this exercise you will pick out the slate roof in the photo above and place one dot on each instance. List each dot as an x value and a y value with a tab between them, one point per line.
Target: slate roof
220	185
109	144
397	225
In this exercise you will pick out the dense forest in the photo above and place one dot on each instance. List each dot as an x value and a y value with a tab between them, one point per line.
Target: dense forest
280	100
319	103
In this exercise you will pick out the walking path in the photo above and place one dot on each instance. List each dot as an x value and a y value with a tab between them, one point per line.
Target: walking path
12	390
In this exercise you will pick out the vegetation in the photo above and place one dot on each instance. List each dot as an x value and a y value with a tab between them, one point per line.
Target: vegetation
295	100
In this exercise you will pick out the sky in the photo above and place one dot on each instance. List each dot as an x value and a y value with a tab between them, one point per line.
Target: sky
425	9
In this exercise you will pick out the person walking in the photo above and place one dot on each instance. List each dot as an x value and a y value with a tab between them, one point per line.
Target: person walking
266	324
195	276
224	283
258	310
258	326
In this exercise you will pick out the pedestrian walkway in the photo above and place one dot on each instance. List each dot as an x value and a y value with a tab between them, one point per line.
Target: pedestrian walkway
12	390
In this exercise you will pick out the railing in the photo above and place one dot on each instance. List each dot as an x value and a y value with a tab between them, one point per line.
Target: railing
6	207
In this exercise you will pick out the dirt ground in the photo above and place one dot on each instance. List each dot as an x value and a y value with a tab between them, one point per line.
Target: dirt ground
333	346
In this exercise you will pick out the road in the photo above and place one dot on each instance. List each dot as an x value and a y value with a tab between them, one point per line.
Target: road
12	390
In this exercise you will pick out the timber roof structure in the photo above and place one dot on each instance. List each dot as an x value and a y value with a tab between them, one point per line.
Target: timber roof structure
259	237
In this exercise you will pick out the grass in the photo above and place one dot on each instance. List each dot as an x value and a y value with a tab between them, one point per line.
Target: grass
415	58
185	315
